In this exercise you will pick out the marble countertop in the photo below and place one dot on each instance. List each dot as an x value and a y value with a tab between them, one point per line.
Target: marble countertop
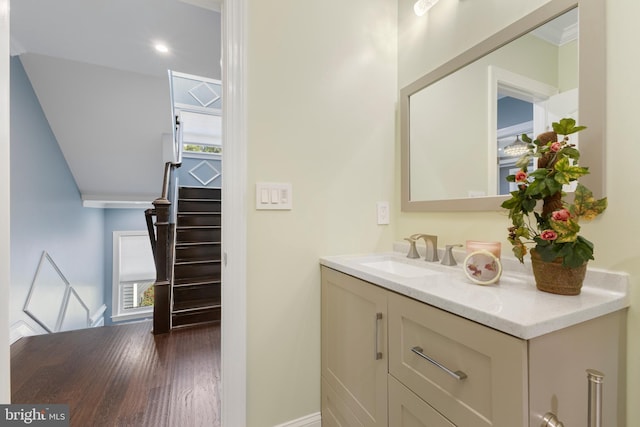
513	305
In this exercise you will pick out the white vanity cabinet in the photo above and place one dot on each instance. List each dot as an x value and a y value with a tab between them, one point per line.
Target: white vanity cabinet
390	360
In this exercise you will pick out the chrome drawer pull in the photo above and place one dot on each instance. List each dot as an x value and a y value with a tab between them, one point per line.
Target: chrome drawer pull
459	375
376	353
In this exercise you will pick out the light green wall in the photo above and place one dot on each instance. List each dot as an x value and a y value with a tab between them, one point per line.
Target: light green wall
568	66
321	113
421	48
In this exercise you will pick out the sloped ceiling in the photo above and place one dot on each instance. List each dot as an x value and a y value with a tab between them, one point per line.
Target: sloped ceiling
103	88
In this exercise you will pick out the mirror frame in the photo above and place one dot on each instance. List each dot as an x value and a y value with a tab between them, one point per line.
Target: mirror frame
591	101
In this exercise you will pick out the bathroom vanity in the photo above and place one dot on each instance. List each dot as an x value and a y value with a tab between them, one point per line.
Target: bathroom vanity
409	343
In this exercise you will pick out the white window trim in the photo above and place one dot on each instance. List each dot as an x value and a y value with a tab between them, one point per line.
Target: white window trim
132	314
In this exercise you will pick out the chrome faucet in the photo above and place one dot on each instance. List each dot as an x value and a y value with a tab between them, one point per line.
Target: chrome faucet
429	238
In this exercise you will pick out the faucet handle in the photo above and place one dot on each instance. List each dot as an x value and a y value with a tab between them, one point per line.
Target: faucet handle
448	258
413	251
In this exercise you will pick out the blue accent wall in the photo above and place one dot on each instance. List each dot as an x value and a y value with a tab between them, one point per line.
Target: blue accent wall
512	111
46	207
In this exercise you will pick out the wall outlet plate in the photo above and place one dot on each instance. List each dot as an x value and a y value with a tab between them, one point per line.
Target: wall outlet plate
382	211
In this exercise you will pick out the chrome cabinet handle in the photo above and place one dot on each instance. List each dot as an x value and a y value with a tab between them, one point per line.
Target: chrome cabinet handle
595	381
377	354
459	375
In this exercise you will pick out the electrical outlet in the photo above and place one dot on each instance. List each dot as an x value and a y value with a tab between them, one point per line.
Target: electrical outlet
382	210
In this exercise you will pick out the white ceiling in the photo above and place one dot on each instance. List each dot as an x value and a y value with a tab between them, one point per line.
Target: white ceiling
104	89
121	33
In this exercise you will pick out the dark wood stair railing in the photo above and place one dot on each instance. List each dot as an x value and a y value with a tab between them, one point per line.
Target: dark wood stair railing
162	243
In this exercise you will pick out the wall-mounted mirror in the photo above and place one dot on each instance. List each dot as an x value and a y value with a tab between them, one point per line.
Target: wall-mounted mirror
458	120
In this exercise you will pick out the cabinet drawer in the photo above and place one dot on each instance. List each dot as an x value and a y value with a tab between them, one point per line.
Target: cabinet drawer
408	410
494	391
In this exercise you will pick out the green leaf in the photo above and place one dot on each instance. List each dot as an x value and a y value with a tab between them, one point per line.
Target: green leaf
534	188
585	205
565	172
512	202
519	250
570	152
566	126
528	205
581	252
553	185
545	249
567	230
539	173
523	161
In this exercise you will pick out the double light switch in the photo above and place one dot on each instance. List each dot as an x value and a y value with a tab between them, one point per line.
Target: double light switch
273	196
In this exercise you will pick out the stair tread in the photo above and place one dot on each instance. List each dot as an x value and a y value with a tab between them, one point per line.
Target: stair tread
199	199
195	306
193	227
198	261
210	243
184	244
197	283
199	213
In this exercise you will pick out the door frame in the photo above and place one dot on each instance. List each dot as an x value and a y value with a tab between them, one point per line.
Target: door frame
234	214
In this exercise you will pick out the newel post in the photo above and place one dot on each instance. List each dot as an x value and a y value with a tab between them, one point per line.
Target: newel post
162	286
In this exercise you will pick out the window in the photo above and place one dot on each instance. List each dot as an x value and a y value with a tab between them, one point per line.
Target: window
197	105
201	133
133	275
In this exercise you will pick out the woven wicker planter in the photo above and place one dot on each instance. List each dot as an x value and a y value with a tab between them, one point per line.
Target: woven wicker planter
555	278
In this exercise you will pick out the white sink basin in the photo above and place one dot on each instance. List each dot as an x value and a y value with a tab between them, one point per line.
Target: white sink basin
399	268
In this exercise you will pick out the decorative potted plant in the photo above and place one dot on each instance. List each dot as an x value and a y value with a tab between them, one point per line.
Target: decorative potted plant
559	255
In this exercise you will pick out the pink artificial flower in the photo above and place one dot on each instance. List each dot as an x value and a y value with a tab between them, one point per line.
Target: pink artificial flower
548	235
521	176
561	215
555	147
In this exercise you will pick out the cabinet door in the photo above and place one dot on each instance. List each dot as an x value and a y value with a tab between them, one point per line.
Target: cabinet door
494	391
335	412
558	362
408	410
354	349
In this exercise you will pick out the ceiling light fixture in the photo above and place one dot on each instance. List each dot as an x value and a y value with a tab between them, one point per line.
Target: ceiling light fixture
422	6
161	47
516	149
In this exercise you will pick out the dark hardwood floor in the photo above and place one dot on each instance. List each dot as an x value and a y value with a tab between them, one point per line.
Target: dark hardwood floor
123	375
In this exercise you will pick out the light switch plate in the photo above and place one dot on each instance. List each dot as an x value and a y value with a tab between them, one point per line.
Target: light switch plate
274	196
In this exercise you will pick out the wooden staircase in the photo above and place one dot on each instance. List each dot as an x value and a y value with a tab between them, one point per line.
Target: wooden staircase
197	285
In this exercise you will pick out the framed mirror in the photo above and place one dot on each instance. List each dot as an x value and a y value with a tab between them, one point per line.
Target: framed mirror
453	133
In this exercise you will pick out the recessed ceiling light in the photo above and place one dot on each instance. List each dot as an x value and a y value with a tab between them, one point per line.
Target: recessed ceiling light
161	47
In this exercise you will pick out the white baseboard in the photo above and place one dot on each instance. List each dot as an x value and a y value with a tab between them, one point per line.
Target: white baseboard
312	420
20	329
